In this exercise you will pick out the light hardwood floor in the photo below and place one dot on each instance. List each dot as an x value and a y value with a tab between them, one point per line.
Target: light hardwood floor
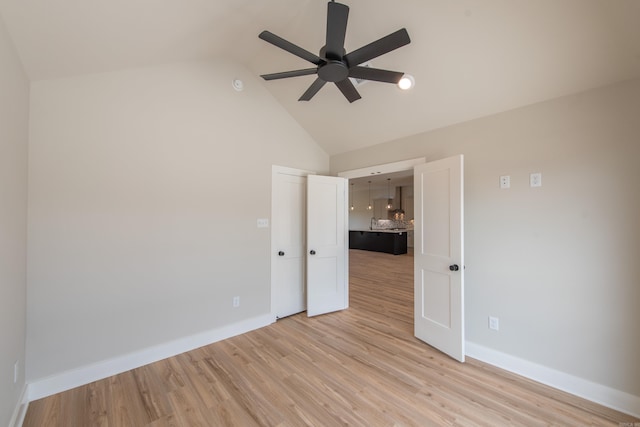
359	367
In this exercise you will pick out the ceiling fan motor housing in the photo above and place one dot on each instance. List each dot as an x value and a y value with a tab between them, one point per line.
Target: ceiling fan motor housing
333	71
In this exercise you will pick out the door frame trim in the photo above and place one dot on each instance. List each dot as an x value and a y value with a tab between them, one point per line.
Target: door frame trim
385	168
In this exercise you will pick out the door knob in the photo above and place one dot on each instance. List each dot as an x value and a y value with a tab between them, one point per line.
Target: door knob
312	252
454	267
280	253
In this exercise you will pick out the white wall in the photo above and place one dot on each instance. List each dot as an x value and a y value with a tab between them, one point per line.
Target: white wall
145	186
14	114
558	264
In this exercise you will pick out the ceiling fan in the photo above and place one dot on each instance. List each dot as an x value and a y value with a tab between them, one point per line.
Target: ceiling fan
333	64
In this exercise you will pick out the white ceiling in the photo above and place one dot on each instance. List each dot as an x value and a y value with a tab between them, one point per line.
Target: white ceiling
470	58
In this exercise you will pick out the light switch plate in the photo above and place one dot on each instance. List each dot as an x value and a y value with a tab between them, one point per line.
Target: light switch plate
263	223
535	179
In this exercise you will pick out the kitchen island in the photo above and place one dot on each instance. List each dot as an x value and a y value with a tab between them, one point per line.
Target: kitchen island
387	241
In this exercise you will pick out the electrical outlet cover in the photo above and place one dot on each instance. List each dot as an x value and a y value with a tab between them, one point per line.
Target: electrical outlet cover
494	323
505	182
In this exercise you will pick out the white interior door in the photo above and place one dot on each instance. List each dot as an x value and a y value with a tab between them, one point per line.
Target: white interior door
327	245
288	242
438	255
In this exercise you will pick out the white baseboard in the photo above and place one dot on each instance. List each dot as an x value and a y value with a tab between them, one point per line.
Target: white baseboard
614	399
84	375
21	409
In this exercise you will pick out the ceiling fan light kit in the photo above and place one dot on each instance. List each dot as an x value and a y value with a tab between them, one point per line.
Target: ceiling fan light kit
333	64
407	82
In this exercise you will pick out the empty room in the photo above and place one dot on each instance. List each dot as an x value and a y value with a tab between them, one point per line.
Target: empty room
319	213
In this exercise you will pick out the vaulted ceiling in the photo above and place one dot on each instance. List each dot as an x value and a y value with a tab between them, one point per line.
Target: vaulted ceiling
470	58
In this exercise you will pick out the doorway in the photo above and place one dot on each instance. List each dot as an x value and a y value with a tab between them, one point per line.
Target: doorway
439	249
389	275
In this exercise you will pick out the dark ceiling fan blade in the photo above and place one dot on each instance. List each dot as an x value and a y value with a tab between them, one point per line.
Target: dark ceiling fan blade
378	47
313	89
348	90
286	74
337	15
290	47
375	74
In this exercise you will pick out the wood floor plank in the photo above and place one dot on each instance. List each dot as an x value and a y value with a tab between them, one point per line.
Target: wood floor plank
360	367
96	405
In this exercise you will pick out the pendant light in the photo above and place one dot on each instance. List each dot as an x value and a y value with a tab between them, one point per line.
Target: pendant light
351	196
369	207
389	205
